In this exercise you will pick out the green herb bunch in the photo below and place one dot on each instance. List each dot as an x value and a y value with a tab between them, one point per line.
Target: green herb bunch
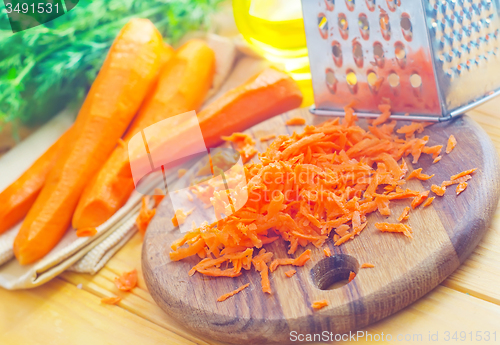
44	68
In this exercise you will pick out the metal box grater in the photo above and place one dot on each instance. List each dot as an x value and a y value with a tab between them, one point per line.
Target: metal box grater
433	59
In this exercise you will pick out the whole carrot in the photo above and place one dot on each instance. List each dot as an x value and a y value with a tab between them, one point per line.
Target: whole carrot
124	79
182	86
17	199
269	93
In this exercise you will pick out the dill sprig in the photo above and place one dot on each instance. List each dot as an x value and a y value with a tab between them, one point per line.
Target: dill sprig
44	68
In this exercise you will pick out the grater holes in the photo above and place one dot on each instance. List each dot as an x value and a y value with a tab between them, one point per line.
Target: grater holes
416	80
393	4
352	81
337	53
364	26
350	4
343	26
331	80
393	79
406	27
374	81
357	53
378	53
330	5
323	25
400	52
385	26
371	5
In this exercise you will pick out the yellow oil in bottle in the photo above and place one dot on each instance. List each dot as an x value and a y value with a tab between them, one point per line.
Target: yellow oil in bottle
275	29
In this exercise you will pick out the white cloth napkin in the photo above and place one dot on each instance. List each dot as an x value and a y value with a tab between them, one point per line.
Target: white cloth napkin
90	254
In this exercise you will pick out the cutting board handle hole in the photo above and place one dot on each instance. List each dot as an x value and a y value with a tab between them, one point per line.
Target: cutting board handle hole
333	272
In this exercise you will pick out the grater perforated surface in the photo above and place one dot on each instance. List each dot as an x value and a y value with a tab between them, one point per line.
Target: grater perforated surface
431	58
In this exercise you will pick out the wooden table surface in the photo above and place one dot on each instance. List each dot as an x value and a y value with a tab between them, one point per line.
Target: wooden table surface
67	310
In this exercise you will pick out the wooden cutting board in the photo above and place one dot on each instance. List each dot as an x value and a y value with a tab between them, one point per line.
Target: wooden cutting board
444	235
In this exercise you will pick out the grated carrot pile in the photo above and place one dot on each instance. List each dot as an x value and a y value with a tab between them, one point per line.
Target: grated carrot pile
306	189
232	293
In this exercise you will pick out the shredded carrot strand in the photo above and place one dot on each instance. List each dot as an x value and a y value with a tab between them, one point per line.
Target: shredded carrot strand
461	187
290	273
352	275
319	304
367	265
296	121
232	293
462	174
452	142
428	201
327	252
405	215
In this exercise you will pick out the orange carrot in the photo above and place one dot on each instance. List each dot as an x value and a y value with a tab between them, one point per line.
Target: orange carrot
320	304
452	142
352	275
145	216
86	232
419	199
232	293
438	190
327	252
126	76
387	227
127	281
367	265
428	201
418	175
17	199
462	174
299	261
290	273
296	121
385	109
405	214
111	300
260	263
456	181
461	187
244	144
273	91
182	86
